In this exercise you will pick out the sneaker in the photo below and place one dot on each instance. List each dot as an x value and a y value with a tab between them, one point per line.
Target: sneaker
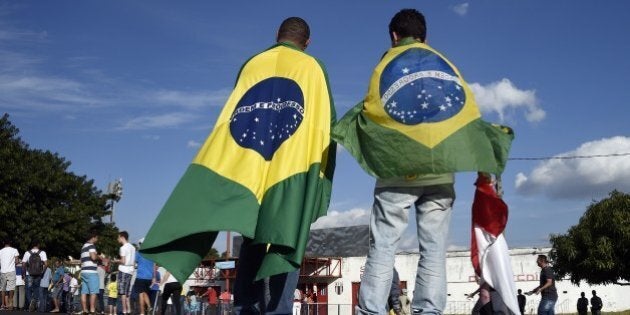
32	306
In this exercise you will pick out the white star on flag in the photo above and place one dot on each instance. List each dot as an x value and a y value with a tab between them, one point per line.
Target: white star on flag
405	70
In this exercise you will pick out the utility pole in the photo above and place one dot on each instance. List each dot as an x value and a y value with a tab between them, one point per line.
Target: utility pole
114	193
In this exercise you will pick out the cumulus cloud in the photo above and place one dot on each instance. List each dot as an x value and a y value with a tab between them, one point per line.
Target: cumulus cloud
193	144
503	97
157	121
461	9
356	216
581	178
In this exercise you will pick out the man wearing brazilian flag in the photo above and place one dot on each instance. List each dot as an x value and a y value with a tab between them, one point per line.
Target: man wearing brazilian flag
265	171
418	124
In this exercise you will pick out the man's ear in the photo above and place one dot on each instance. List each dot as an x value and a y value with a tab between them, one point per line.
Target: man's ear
308	42
395	39
277	36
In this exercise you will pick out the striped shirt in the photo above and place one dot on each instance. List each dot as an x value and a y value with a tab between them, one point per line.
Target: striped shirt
87	264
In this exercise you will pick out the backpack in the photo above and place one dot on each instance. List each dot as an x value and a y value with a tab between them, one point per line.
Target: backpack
35	265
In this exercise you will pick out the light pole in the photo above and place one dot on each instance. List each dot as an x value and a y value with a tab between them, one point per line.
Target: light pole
114	193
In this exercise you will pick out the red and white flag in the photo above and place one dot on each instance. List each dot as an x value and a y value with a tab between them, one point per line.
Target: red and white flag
489	250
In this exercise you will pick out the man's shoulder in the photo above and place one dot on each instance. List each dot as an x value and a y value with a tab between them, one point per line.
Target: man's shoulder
295	56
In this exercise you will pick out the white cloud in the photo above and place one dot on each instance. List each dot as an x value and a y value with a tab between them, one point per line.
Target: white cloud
39	92
503	97
356	216
193	144
191	99
461	9
157	121
581	178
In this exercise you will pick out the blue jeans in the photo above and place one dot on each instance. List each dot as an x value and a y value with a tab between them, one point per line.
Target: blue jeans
32	289
43	300
273	295
387	224
547	306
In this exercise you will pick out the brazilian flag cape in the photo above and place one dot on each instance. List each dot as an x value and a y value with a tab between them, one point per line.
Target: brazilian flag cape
420	117
265	171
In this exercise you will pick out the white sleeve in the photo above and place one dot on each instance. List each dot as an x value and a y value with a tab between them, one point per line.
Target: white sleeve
127	254
42	254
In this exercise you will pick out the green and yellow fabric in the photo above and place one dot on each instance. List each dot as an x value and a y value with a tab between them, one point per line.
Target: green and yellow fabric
420	117
265	171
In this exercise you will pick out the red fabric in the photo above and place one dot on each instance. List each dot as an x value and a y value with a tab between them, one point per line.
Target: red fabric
212	296
225	297
489	212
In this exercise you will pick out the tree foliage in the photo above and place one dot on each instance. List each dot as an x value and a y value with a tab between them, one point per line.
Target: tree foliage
40	200
212	254
597	249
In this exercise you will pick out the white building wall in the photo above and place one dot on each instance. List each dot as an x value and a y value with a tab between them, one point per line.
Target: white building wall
461	280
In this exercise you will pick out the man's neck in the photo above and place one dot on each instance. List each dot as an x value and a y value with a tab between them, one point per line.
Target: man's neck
290	43
406	41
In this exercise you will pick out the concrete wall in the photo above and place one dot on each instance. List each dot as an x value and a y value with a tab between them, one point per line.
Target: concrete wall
460	276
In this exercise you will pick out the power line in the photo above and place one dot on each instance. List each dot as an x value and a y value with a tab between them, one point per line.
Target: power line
569	157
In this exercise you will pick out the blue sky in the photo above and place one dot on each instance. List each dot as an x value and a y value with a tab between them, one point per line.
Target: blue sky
130	89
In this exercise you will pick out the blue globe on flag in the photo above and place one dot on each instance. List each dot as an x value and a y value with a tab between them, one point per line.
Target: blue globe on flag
267	115
418	86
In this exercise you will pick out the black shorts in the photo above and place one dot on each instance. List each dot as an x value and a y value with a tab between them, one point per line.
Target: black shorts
142	285
111	301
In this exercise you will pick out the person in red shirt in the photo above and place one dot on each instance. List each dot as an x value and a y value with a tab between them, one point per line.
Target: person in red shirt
225	296
212	296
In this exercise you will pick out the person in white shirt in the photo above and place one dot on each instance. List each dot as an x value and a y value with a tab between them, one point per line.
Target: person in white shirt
172	289
19	296
35	262
102	274
9	256
74	299
126	265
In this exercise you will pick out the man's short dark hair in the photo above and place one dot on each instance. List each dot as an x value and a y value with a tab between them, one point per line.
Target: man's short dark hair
543	258
35	243
294	29
91	234
124	235
408	23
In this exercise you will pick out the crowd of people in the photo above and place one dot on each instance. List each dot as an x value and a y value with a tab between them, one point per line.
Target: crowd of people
33	282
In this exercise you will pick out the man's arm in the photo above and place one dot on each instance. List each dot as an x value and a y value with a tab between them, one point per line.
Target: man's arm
538	289
93	254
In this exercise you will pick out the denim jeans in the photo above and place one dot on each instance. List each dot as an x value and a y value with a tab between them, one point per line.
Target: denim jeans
43	300
273	295
547	306
387	223
32	289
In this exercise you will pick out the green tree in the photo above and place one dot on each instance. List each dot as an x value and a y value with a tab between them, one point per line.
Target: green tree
41	200
212	254
597	249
